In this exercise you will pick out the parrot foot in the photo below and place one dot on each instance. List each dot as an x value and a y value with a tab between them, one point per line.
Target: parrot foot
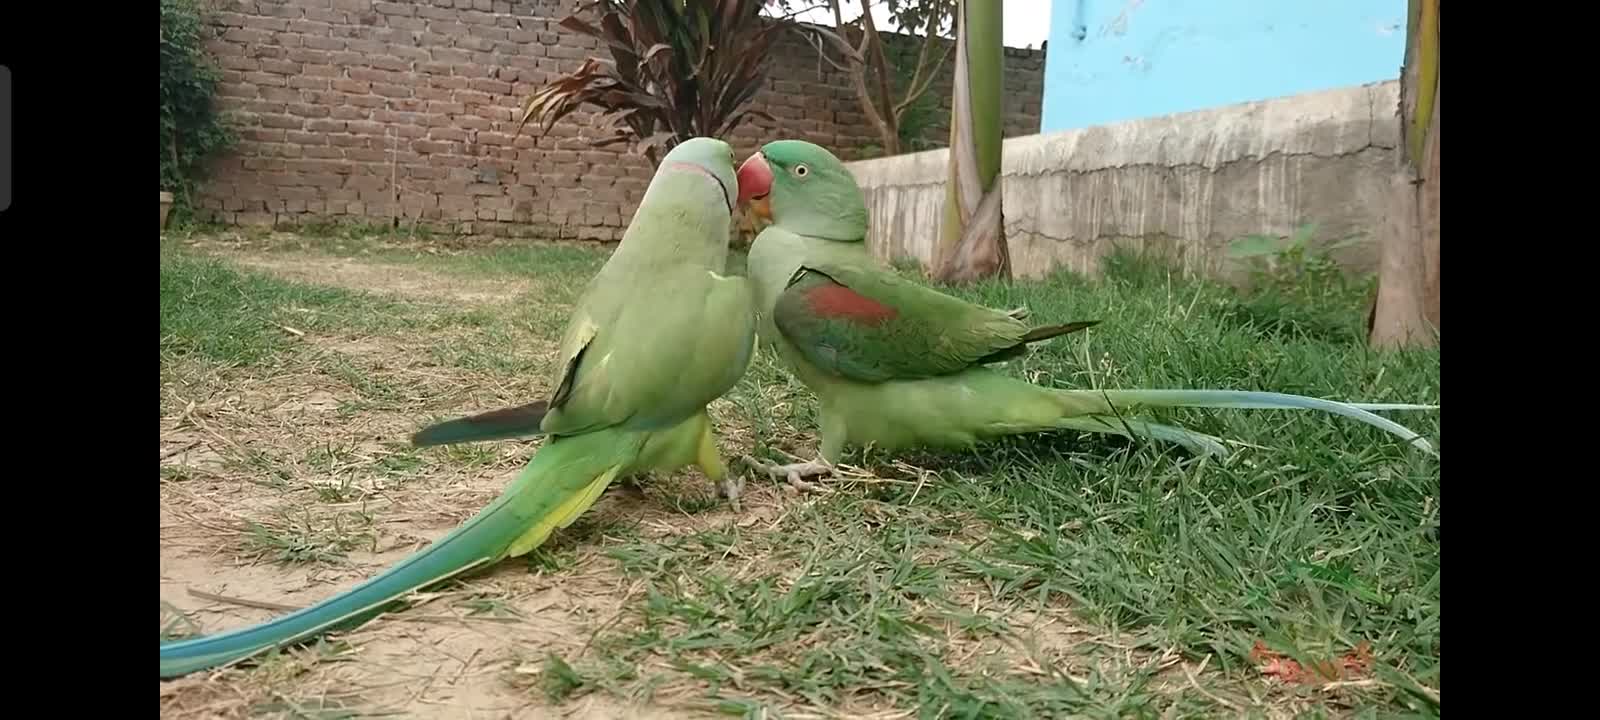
794	472
732	486
1018	313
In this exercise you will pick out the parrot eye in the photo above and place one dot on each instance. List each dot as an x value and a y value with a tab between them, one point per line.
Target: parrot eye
801	171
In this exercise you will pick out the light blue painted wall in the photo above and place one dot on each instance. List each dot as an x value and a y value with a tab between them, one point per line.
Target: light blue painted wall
1139	58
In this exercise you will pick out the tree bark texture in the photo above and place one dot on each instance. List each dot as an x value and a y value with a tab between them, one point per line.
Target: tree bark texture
1406	311
972	243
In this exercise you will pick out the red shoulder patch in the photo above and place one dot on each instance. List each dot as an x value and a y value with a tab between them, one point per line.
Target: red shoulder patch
838	301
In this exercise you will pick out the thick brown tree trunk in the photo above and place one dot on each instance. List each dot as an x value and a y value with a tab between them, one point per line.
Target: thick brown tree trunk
972	240
1406	311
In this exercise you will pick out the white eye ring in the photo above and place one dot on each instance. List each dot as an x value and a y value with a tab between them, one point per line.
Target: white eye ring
801	171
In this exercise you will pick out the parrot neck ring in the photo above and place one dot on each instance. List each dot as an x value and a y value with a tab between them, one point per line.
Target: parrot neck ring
727	198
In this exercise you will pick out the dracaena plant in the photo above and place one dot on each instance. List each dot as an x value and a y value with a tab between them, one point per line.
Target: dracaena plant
677	70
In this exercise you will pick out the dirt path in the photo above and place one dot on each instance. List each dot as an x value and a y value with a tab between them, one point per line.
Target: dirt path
386	278
295	461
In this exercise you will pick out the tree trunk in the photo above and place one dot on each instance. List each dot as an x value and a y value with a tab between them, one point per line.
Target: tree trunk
972	243
1406	311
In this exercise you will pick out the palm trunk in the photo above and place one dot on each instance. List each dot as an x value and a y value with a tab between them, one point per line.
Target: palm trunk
972	243
1406	311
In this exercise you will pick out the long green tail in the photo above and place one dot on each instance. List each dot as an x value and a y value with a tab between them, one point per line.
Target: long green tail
1099	408
559	483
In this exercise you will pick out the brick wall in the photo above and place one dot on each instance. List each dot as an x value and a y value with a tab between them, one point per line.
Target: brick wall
380	111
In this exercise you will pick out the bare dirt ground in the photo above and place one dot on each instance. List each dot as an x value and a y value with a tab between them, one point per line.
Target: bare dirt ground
287	482
274	449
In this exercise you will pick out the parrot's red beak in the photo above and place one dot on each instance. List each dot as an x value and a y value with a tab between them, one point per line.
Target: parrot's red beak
755	184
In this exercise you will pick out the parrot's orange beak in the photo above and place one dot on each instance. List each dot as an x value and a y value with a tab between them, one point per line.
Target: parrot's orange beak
755	185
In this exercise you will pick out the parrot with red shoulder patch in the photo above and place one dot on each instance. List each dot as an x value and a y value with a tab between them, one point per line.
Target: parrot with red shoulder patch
896	364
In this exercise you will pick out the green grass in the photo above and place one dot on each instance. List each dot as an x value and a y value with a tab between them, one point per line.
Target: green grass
882	594
1319	540
213	311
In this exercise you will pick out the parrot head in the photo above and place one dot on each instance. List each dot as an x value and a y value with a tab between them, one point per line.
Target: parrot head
804	189
708	164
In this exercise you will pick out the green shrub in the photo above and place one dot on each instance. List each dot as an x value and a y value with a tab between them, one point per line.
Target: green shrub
191	129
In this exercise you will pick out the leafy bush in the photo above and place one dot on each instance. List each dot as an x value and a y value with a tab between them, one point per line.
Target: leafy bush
191	129
1297	288
677	70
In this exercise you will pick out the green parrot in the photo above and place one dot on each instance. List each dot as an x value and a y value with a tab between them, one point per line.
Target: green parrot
896	364
658	334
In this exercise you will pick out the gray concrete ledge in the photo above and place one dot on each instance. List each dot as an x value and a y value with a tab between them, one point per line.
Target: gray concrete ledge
1185	185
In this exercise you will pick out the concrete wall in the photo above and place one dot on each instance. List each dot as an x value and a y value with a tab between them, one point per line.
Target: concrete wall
1144	58
1185	184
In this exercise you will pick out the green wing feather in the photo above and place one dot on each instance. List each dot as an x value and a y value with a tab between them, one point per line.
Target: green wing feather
873	326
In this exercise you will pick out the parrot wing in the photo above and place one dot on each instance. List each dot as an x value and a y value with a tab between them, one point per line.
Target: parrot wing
873	326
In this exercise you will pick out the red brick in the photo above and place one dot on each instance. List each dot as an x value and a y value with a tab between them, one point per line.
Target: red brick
310	136
347	58
473	97
325	15
309	111
278	95
322	152
498	87
408	24
441	12
440	109
494	138
429	146
262	163
488	32
392	64
267	79
310	55
358	87
389	8
267	23
237	89
238	62
326	181
247	37
365	182
272	52
323	43
355	127
423	172
346	112
371	75
472	70
258	108
412	55
393	91
494	112
307	82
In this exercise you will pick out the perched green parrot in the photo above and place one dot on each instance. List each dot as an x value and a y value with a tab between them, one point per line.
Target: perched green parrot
658	334
896	364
